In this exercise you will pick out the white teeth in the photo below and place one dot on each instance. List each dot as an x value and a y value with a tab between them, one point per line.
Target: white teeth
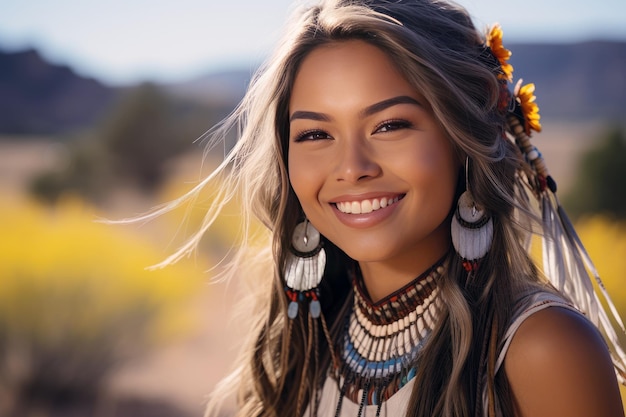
365	206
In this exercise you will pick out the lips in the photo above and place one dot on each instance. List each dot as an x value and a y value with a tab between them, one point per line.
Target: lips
366	206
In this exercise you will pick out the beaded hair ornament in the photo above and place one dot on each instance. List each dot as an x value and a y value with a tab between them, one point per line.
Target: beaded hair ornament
566	263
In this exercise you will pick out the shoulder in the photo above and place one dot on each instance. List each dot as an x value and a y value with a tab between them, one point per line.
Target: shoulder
558	365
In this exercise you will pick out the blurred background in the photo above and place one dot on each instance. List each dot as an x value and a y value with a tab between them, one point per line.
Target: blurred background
101	104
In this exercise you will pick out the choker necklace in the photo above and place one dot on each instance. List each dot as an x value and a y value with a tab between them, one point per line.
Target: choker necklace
382	341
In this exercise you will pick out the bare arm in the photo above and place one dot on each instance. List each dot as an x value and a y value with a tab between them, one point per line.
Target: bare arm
558	365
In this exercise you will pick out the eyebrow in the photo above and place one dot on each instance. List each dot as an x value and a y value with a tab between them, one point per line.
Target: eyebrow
368	111
385	104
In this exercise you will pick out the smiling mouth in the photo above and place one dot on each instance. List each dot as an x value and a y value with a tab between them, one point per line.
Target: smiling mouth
367	206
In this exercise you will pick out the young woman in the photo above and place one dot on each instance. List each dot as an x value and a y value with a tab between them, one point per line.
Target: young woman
386	150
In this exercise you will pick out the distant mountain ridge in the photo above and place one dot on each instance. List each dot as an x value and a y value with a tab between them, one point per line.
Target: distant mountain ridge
585	80
37	97
582	81
227	86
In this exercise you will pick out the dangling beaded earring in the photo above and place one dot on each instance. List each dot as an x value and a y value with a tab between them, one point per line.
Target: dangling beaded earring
304	269
472	229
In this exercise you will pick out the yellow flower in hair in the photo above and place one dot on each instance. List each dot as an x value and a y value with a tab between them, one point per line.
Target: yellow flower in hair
526	96
494	42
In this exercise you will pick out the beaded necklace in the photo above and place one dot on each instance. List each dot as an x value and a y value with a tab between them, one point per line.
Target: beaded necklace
382	341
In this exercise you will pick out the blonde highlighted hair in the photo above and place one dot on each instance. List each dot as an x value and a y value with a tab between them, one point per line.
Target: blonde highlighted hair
437	49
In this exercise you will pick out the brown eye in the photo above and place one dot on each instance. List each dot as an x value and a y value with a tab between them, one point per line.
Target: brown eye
312	135
391	125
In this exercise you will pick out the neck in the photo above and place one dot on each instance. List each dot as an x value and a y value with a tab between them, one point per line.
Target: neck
386	277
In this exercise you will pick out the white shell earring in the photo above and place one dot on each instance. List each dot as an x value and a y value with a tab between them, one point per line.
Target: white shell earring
471	229
304	269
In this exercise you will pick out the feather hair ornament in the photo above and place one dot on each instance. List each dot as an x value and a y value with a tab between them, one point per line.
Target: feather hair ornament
566	263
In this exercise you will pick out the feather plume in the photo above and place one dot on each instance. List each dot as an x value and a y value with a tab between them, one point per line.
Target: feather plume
569	268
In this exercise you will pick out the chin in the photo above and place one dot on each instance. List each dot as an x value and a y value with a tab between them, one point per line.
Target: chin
367	254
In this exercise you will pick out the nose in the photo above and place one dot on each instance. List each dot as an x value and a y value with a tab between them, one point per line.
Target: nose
356	162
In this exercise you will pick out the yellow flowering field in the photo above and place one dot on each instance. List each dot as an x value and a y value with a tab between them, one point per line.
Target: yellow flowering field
76	298
605	241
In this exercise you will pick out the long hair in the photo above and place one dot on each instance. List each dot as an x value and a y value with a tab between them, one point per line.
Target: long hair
436	48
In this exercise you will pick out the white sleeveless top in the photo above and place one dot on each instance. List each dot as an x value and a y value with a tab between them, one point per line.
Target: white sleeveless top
397	404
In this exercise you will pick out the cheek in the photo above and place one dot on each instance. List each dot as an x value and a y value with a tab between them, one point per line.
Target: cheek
433	170
431	164
301	177
294	172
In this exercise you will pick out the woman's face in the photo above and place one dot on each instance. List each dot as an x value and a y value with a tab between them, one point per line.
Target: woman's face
370	165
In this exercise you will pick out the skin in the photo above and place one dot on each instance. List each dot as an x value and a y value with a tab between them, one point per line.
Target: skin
359	131
558	366
349	143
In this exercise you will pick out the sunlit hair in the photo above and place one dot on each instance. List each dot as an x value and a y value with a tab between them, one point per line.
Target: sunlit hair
437	49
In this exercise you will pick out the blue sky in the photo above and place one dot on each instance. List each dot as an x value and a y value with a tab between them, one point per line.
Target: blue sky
125	41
